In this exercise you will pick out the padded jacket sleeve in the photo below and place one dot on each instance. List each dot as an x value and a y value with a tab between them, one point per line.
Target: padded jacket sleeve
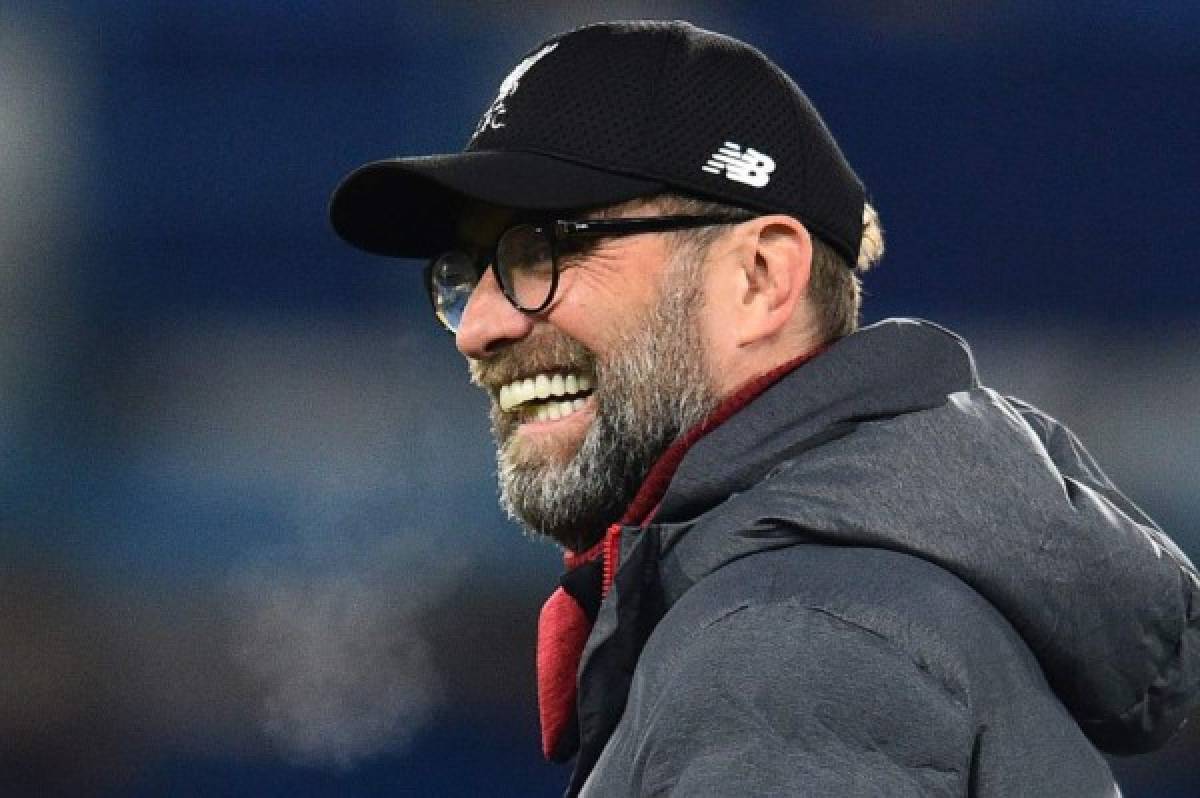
782	699
1167	688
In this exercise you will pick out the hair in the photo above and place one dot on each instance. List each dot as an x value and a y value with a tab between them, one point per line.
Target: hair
835	289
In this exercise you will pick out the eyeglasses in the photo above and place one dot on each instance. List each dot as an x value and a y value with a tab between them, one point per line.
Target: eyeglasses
528	258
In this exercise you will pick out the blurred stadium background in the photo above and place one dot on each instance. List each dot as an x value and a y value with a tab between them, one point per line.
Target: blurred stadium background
248	536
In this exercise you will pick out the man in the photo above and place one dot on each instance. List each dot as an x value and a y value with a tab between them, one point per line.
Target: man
802	559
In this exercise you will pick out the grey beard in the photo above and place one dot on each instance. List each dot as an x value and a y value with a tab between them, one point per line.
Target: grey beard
653	389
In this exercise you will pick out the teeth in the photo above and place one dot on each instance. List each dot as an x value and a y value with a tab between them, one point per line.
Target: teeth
553	411
543	386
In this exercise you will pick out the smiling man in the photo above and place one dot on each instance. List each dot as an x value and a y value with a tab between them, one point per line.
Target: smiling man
802	558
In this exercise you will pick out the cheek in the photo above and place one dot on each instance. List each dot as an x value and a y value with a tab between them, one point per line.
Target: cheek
596	305
718	328
718	353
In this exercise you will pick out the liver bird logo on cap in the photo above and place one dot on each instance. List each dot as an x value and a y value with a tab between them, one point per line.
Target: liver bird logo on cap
491	119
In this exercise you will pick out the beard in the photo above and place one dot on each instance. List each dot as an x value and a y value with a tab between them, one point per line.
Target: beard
652	388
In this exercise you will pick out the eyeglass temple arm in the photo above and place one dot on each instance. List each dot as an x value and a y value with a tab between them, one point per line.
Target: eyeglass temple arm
582	227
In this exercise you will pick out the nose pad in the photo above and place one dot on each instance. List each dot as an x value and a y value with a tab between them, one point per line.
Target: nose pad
489	321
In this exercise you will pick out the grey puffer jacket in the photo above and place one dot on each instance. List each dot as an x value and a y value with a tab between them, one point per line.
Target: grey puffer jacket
880	578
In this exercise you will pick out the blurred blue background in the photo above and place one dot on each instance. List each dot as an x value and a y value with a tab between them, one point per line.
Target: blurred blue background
248	534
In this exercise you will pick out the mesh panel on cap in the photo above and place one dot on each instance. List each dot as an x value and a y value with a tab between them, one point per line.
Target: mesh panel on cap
750	102
587	97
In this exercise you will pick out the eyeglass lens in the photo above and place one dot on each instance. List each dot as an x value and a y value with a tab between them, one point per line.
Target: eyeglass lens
525	265
451	281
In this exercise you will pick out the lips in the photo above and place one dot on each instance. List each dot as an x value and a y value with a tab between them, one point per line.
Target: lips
547	396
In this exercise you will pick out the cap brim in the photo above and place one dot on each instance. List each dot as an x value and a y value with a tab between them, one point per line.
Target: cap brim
409	207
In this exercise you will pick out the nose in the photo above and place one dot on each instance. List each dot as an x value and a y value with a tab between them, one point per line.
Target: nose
489	322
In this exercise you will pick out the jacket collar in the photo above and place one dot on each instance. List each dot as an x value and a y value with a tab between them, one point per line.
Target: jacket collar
893	367
648	558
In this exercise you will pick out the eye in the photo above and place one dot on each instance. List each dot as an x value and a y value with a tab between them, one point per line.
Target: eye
523	249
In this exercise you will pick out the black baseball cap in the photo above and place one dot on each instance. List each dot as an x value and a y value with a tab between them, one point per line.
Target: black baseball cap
610	112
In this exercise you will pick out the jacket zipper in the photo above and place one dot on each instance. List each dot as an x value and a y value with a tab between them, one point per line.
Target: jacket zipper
612	553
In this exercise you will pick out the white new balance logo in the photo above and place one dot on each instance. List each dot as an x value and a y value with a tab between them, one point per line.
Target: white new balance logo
750	167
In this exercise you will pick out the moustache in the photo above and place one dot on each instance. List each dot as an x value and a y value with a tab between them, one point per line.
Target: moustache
553	351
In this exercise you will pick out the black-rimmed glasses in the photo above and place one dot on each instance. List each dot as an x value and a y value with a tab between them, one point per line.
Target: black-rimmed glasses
528	258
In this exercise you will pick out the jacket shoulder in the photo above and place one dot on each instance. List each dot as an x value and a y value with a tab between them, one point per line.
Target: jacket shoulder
748	690
841	670
923	612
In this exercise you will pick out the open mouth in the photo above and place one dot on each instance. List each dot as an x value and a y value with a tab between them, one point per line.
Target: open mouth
546	397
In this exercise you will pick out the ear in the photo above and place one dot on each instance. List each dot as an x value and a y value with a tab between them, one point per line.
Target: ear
774	264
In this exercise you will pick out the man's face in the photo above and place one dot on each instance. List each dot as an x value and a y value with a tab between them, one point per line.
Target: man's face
622	346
